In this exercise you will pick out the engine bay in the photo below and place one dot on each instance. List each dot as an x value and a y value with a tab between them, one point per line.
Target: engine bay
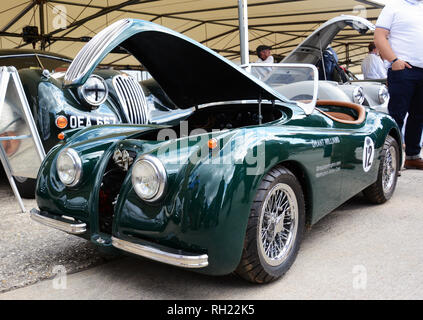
226	117
229	118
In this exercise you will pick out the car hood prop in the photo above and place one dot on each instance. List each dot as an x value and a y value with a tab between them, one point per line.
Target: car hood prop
190	73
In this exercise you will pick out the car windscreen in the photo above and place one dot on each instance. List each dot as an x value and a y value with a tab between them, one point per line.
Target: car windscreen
275	77
20	62
293	82
54	64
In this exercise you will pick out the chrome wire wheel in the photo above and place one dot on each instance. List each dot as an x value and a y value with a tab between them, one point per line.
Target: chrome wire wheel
387	176
278	224
275	227
389	169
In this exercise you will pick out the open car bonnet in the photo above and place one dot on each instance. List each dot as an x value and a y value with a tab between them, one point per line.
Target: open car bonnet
310	50
189	73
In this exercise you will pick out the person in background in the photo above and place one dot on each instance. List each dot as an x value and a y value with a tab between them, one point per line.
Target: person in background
398	36
330	59
264	55
372	65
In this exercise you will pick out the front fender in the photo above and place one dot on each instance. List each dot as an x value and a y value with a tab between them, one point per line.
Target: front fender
91	145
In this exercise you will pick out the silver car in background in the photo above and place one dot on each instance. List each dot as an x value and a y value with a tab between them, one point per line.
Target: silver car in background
344	86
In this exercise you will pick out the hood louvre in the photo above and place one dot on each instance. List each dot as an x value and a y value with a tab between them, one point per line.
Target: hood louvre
93	49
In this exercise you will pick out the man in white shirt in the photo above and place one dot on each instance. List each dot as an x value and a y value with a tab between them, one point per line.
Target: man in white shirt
372	65
399	37
264	56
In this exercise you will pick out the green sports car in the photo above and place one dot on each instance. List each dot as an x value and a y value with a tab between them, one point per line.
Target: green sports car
231	185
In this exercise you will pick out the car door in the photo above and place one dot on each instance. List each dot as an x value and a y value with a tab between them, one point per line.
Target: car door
322	158
359	161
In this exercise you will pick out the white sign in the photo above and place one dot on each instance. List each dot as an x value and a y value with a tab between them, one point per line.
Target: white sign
368	154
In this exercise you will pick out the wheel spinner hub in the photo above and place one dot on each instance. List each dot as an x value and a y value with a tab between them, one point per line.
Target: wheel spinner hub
389	169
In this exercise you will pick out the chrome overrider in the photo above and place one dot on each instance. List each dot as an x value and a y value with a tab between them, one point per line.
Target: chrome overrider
78	228
59	223
176	259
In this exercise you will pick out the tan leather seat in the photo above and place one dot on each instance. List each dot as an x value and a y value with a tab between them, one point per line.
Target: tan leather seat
343	117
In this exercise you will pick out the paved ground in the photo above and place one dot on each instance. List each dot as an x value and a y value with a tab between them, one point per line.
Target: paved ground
29	251
356	252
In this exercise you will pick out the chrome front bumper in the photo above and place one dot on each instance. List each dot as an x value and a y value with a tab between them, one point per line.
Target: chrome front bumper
59	223
166	256
180	260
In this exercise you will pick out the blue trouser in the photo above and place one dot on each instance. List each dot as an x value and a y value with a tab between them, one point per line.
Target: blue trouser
406	91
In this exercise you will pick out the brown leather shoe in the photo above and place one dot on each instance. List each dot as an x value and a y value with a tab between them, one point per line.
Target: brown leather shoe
414	164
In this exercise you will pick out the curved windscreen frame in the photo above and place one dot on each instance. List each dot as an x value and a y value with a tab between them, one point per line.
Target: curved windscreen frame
265	72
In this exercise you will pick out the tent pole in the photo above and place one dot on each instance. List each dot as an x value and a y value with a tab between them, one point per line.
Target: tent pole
243	31
42	23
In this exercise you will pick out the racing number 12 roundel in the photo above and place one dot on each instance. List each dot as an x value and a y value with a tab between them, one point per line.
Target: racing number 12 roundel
368	154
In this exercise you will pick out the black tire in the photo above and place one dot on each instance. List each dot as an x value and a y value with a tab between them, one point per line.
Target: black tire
26	187
254	265
377	193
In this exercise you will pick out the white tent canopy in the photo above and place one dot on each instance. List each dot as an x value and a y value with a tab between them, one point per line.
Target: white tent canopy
65	25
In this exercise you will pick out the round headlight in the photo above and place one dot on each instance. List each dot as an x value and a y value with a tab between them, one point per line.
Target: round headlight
383	94
358	95
94	91
149	178
69	167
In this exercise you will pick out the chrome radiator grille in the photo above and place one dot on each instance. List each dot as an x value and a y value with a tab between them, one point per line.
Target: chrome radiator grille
91	52
131	98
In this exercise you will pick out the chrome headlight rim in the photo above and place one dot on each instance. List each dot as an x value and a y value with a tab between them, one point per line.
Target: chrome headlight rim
77	164
84	97
161	175
358	95
383	94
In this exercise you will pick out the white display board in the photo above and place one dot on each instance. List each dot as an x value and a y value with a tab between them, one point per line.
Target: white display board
21	150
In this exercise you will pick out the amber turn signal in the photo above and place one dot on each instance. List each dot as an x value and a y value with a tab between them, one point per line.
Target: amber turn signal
61	122
61	136
212	143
